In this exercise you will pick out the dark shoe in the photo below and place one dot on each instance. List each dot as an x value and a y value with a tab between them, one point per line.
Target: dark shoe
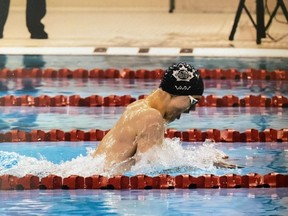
42	35
1	36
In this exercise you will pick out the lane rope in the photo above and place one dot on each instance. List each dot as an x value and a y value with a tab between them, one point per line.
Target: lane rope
127	73
162	181
191	135
124	100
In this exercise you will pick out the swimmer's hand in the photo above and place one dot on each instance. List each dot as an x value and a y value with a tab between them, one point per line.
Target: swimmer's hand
222	164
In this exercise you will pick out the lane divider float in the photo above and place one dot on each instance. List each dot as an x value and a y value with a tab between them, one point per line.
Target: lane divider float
191	135
127	73
124	100
162	181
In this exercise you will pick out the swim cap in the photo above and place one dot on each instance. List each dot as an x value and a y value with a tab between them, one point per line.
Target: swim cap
182	79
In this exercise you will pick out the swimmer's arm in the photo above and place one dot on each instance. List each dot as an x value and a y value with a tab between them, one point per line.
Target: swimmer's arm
124	166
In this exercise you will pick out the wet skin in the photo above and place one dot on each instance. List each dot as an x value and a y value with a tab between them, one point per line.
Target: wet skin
140	127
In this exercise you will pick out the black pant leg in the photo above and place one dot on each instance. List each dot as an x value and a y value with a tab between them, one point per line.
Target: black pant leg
35	11
4	10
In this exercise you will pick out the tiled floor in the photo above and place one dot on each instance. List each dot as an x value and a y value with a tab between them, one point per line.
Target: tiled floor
141	28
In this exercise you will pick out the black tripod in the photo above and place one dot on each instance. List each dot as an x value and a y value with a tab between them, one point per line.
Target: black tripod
260	25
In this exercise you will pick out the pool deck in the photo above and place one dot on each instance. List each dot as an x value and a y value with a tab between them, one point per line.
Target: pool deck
130	31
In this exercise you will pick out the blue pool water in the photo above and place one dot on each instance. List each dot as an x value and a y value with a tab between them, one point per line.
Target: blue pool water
85	118
259	201
65	158
105	87
136	62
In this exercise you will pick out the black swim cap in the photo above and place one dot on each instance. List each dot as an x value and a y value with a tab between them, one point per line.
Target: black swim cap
182	79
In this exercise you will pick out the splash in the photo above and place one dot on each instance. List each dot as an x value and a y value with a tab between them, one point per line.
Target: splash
169	158
19	165
172	158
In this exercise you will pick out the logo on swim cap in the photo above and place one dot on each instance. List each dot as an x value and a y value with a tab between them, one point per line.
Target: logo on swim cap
182	87
182	74
182	79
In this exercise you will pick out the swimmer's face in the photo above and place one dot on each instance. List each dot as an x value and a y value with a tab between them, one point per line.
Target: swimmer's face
178	105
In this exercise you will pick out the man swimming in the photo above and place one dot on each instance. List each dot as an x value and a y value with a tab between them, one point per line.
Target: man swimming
142	125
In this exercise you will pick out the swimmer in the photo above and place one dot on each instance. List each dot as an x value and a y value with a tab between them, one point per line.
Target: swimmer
142	125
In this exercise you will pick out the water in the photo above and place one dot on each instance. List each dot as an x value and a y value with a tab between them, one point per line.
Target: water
86	118
268	201
136	62
134	87
65	158
256	157
173	158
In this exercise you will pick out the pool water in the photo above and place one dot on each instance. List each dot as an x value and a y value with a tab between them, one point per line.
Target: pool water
135	87
258	201
85	118
194	158
138	62
63	159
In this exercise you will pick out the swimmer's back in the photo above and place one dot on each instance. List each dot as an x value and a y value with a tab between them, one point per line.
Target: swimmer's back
126	132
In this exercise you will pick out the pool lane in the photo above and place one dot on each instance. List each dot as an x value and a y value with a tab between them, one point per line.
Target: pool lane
139	61
134	87
87	118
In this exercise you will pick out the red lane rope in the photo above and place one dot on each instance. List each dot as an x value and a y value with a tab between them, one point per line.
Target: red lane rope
116	100
191	135
163	181
126	73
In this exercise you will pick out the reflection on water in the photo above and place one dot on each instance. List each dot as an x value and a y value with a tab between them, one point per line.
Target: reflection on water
3	61
134	87
258	201
33	61
28	61
137	62
86	118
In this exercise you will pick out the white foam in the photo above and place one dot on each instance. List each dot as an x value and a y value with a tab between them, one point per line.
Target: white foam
170	158
81	165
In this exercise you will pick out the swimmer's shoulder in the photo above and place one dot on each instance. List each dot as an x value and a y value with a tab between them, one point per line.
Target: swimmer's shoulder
144	111
151	114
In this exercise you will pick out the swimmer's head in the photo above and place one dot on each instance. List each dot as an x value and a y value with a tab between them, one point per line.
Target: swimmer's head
182	79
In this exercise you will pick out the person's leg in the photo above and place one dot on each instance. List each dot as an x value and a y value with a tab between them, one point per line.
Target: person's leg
4	10
35	11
